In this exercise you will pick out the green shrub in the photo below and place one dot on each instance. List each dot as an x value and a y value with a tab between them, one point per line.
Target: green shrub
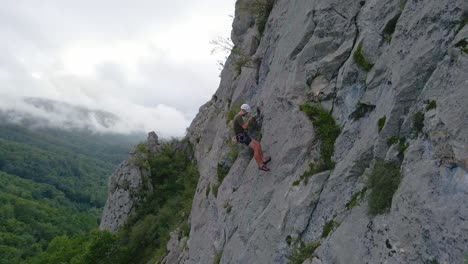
361	111
140	158
223	170
232	113
288	240
462	44
326	131
381	123
328	227
418	122
383	183
215	189
208	189
218	257
261	10
432	105
184	230
403	4
356	199
302	251
224	167
361	60
296	183
234	153
463	22
402	145
392	140
389	28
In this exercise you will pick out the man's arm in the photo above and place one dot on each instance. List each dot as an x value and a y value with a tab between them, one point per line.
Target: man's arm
246	125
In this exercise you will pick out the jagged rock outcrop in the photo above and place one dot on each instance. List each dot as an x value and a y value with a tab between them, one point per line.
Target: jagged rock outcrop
153	143
128	184
365	61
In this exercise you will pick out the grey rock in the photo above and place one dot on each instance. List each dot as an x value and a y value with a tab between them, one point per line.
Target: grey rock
306	54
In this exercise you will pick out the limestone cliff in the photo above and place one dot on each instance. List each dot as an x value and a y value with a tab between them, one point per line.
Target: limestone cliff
389	71
393	75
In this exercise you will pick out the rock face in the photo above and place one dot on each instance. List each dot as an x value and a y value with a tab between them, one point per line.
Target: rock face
127	184
410	53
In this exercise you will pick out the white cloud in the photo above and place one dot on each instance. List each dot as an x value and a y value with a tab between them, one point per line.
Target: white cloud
147	61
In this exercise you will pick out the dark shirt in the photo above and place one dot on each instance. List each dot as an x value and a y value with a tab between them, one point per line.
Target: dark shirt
238	122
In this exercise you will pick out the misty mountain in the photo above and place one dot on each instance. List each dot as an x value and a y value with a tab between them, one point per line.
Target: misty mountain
41	112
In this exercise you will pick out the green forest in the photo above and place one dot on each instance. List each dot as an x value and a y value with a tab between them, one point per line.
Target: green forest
53	185
174	176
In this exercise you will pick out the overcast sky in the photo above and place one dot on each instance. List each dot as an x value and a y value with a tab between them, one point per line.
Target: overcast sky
148	61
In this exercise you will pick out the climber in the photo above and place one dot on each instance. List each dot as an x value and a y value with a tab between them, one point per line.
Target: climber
241	136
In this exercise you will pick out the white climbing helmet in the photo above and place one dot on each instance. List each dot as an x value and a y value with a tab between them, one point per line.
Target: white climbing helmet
246	108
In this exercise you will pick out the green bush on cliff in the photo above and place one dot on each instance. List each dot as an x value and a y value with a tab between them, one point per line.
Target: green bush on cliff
326	131
261	10
232	112
383	183
361	60
390	27
302	251
328	227
381	123
418	122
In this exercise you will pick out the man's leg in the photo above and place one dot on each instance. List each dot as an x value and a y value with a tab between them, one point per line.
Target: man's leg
261	151
257	154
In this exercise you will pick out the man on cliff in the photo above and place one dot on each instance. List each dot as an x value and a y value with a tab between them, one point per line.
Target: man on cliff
241	136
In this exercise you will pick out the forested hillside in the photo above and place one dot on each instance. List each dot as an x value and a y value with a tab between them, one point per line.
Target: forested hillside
52	183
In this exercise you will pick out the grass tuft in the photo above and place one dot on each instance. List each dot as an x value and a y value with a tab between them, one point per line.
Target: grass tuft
356	199
403	4
184	230
361	60
462	44
383	183
217	258
328	227
432	105
389	28
392	140
402	144
302	251
361	111
381	123
418	122
222	170
215	189
327	131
